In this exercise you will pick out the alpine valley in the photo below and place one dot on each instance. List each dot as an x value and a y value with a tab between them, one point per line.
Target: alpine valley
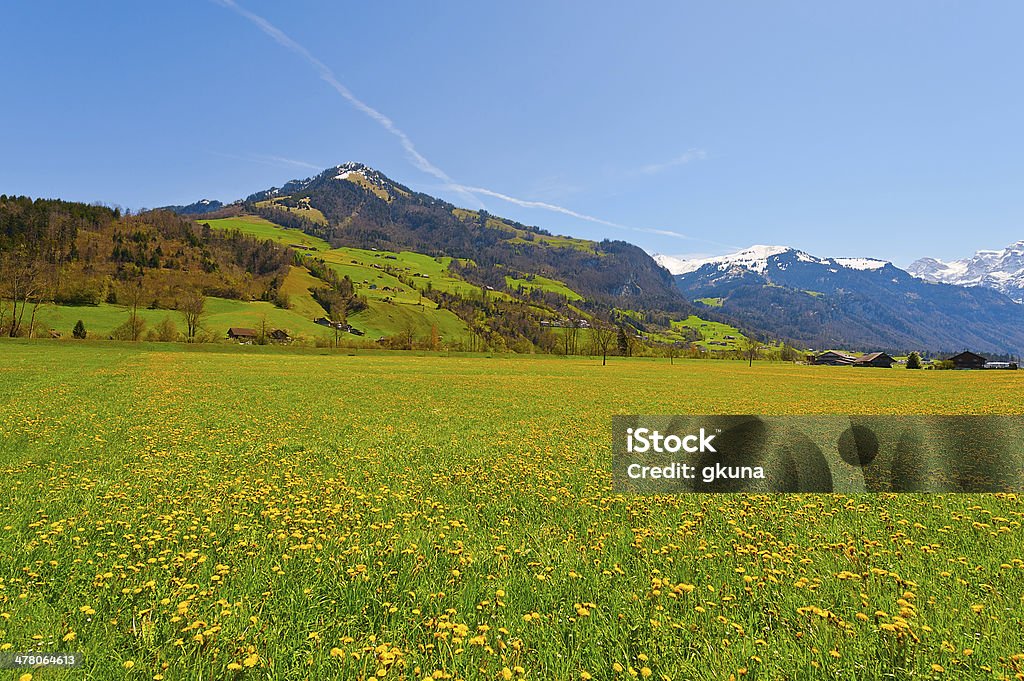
374	261
849	302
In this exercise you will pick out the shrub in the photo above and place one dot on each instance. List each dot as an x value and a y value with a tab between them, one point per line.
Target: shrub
166	330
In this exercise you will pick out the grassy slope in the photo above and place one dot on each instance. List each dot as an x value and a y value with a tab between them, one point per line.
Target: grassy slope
406	309
711	331
101	320
523	236
329	501
307	211
297	286
544	284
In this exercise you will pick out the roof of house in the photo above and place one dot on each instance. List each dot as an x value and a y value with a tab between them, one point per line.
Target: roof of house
833	353
873	356
967	354
241	331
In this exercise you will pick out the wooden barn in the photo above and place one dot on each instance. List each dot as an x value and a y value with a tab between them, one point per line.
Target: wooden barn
279	336
968	360
875	359
833	359
242	335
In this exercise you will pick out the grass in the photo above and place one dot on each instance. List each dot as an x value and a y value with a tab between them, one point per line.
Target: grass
221	313
713	335
359	264
523	236
544	284
710	302
260	514
264	229
298	286
305	210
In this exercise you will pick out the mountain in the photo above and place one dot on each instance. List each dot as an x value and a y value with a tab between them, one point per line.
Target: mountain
355	205
756	259
1000	270
860	303
201	207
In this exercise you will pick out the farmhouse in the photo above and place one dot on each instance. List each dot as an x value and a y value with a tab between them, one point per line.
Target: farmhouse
279	336
1001	365
875	359
242	335
968	360
833	359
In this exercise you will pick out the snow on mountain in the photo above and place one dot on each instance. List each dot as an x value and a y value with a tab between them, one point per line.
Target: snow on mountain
1002	270
756	259
861	263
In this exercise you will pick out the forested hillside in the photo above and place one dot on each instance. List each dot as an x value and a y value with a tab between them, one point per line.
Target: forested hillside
71	253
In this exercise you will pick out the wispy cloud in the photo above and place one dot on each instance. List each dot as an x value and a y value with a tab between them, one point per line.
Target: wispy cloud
270	160
688	157
328	76
525	203
419	160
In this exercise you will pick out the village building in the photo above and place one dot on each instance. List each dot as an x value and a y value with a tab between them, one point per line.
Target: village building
875	359
968	360
242	335
833	359
279	336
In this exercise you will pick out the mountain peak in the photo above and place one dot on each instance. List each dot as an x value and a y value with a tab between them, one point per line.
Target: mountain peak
753	258
1002	270
757	258
351	167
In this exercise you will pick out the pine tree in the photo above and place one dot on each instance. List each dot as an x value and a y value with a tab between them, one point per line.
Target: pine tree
914	361
79	330
623	342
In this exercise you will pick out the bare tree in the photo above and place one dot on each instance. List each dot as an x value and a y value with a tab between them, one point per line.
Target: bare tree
672	350
603	334
750	347
570	336
193	309
24	281
133	295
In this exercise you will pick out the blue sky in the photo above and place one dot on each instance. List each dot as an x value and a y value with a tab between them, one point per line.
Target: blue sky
890	130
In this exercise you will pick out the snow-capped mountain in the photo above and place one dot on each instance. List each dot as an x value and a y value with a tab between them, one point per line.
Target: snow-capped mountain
1001	270
864	303
759	258
351	171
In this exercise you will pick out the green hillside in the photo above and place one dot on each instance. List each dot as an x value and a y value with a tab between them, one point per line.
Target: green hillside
542	284
714	335
394	306
101	320
264	229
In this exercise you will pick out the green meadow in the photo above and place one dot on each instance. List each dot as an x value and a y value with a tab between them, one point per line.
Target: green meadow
180	512
264	229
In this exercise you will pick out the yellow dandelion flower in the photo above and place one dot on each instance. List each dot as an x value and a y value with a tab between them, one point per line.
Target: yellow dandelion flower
252	660
128	664
337	652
